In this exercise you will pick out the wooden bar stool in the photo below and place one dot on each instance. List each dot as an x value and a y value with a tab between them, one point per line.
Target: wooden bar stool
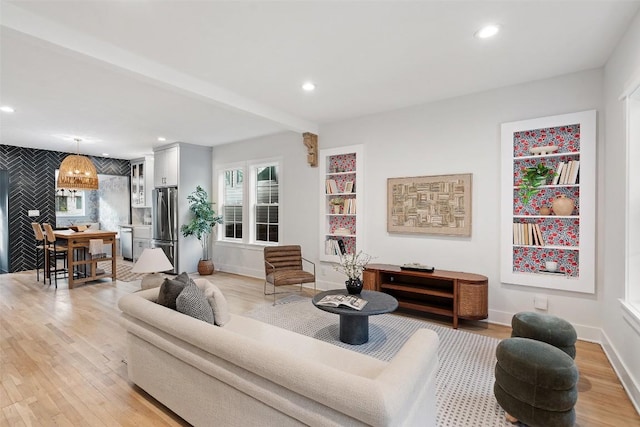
40	250
55	252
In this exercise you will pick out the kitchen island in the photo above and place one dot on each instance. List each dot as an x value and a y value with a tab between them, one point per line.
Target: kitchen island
80	260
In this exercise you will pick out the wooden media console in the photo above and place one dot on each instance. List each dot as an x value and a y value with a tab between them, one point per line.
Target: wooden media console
447	293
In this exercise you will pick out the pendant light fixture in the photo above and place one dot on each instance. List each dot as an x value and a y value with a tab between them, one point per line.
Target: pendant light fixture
77	172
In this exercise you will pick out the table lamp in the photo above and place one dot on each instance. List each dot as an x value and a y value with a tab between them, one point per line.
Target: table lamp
152	260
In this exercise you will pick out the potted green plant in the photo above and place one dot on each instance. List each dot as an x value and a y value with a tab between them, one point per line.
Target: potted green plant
533	177
201	225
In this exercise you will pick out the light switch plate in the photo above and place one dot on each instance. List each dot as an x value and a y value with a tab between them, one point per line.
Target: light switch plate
33	212
541	302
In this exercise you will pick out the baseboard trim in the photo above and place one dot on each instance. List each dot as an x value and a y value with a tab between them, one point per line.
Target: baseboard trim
585	333
628	383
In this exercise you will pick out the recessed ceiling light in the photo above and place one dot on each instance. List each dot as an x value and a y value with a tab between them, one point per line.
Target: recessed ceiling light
309	86
487	31
105	154
162	138
7	109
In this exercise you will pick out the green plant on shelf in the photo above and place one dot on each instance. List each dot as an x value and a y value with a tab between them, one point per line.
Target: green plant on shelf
532	179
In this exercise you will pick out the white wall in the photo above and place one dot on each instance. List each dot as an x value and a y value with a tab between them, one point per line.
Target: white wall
299	199
621	338
458	135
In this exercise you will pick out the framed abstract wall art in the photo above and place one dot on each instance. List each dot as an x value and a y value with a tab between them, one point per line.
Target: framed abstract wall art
437	205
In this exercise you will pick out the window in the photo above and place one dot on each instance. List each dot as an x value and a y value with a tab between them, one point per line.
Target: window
232	203
250	207
69	202
266	206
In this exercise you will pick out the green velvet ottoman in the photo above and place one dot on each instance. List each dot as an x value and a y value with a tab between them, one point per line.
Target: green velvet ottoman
536	383
546	328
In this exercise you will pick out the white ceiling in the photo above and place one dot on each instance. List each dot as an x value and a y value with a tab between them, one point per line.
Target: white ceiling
123	73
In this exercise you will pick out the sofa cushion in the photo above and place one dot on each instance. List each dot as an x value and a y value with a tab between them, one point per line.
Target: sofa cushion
216	299
170	289
192	302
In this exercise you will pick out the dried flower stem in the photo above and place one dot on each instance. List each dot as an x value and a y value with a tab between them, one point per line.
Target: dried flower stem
353	264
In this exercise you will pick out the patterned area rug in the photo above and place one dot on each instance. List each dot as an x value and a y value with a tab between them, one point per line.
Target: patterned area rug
465	378
123	270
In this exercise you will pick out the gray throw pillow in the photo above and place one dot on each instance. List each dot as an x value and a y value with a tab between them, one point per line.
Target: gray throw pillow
192	302
169	291
183	277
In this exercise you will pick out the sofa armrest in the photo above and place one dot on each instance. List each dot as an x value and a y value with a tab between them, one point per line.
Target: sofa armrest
409	380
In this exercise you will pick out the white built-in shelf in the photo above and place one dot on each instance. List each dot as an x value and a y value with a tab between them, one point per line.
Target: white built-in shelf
349	164
569	240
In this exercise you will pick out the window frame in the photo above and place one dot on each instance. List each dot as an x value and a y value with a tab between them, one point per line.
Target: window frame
632	270
254	202
249	200
221	200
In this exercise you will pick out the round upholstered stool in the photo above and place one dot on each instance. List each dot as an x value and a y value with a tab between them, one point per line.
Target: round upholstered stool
536	383
546	328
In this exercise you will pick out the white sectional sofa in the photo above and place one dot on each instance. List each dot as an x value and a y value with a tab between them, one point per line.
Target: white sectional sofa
248	373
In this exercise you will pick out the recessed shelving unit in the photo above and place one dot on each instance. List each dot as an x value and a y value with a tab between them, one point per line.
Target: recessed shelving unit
341	189
529	238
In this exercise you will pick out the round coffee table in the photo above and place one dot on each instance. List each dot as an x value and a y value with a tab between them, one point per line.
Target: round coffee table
354	324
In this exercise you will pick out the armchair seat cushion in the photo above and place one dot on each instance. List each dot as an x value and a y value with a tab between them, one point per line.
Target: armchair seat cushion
289	277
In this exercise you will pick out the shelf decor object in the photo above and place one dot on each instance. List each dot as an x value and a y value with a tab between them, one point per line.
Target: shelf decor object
341	201
533	235
439	204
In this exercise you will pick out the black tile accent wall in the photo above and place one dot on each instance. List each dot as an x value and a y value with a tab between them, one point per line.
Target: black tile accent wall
32	186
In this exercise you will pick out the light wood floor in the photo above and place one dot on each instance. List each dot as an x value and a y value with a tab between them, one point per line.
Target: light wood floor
62	354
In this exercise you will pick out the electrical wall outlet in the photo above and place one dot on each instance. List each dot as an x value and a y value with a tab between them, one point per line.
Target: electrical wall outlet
33	212
540	302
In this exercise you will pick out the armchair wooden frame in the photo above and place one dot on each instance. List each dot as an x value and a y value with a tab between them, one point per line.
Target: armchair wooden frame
283	266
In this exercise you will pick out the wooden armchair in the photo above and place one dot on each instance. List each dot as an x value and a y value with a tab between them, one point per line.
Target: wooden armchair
283	267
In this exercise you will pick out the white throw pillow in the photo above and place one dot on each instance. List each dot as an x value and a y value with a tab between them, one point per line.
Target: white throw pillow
216	299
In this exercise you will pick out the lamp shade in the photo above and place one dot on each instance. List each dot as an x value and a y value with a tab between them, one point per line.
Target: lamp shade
152	260
77	173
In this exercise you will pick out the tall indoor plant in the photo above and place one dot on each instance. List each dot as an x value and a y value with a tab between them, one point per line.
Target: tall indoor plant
201	225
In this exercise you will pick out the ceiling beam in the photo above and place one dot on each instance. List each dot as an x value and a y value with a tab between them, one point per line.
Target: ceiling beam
20	20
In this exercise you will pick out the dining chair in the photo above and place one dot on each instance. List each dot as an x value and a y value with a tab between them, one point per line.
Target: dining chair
56	252
40	251
283	266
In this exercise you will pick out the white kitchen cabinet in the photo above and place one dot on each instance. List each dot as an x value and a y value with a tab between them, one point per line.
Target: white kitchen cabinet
141	182
141	240
140	245
166	167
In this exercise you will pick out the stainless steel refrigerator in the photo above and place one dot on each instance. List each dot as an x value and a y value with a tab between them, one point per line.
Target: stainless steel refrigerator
165	223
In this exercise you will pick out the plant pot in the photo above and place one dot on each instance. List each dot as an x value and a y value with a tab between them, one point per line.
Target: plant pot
205	267
544	210
354	286
562	205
